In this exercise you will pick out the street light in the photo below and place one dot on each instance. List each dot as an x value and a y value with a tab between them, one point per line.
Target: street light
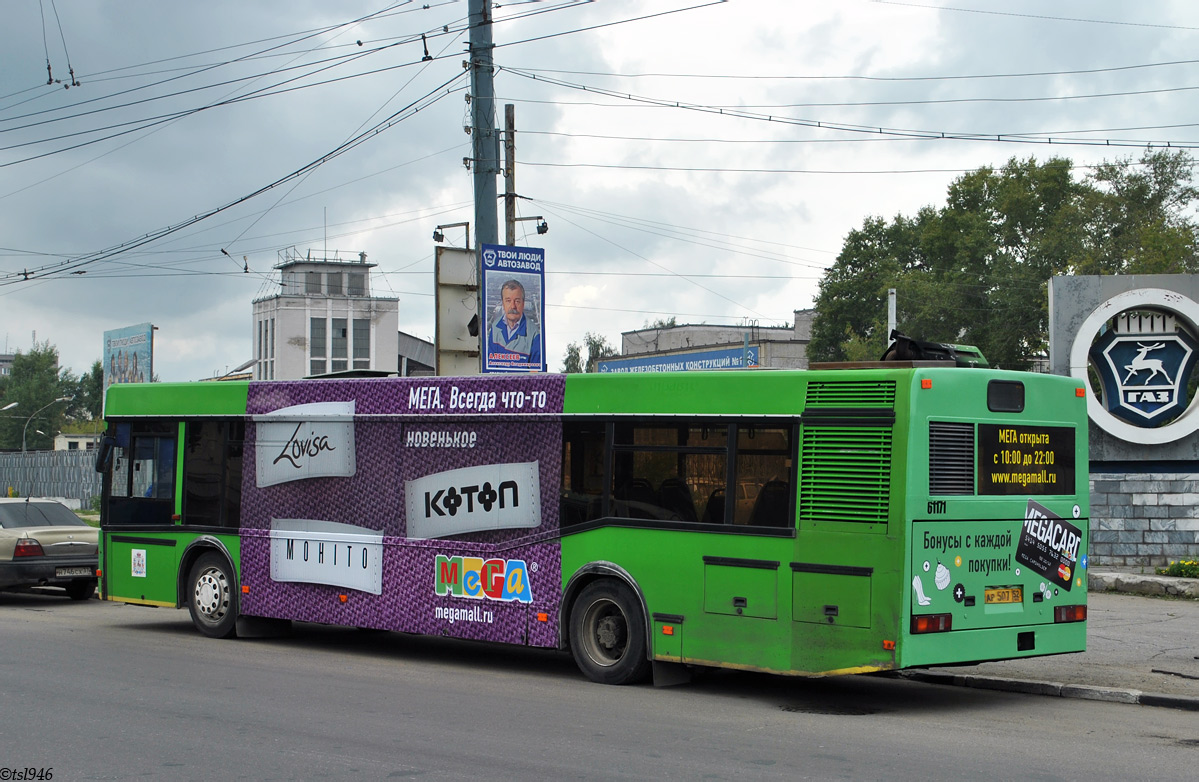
28	421
10	406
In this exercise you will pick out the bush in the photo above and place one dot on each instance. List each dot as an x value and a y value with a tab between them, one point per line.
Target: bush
94	504
1185	568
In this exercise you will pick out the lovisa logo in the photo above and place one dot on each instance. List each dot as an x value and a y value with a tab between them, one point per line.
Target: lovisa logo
296	451
305	441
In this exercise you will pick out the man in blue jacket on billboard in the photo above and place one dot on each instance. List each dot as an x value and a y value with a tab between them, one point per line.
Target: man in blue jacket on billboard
514	340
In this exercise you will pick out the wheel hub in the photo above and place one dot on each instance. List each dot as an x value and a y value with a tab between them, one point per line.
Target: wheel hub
210	594
609	633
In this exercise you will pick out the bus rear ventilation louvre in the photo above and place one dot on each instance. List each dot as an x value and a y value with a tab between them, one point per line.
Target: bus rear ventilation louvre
950	458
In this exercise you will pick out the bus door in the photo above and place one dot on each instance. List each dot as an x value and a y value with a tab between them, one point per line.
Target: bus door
139	558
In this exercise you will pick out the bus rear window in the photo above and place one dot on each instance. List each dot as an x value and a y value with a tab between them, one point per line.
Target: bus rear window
1005	396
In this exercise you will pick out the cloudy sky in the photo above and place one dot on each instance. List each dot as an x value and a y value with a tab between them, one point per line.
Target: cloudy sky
697	160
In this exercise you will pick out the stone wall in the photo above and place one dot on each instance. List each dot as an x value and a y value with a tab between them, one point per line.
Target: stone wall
1141	519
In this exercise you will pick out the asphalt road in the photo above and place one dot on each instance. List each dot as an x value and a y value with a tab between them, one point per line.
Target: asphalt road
97	690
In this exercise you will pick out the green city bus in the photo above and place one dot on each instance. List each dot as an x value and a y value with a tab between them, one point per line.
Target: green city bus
818	522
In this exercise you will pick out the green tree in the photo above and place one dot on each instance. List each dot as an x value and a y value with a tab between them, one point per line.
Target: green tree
1138	217
91	392
976	270
34	385
597	349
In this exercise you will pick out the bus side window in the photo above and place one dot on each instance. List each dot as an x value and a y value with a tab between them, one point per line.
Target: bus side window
212	465
582	472
669	472
764	476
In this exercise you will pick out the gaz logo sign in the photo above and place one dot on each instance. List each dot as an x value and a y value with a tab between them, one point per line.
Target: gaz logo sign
1144	375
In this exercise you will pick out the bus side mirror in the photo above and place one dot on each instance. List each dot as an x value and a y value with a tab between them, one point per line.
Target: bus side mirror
104	453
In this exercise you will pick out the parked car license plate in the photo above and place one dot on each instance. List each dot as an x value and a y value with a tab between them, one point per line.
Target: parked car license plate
1003	595
67	572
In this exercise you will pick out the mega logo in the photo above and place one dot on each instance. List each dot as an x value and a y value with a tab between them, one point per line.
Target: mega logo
1144	375
475	577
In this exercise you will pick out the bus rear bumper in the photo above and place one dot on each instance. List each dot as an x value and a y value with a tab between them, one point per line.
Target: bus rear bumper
965	647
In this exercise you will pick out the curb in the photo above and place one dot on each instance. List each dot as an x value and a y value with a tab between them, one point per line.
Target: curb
1028	687
1142	584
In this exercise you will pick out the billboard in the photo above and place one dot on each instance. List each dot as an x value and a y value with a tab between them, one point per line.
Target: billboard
724	358
513	280
129	354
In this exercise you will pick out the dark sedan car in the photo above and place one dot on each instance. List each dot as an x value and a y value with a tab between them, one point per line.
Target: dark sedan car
43	543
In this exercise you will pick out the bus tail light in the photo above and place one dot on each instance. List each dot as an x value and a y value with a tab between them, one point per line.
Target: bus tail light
1070	613
932	623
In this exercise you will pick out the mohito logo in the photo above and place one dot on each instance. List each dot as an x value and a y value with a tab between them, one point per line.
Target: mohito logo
493	579
474	499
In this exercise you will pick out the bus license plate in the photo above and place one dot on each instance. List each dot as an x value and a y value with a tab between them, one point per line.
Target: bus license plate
67	572
1003	595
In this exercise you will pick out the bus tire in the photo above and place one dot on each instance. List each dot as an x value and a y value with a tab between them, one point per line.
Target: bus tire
607	634
211	597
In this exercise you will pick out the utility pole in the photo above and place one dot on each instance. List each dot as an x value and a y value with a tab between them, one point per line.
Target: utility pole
485	144
484	135
510	174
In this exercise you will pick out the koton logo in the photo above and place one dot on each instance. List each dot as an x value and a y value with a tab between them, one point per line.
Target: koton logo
493	579
474	499
305	441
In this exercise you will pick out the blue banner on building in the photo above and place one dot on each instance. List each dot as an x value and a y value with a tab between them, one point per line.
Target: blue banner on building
727	358
513	280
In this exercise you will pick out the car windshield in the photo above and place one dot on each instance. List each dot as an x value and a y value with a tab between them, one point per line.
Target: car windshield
37	514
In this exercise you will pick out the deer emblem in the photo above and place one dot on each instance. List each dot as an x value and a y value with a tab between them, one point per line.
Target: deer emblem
1140	363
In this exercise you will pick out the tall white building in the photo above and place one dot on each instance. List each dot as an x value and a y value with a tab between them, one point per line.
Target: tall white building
323	320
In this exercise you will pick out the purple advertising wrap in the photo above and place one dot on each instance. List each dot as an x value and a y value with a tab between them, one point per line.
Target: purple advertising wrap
446	523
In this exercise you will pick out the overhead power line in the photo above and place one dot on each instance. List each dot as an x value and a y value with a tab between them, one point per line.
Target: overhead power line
1010	138
75	264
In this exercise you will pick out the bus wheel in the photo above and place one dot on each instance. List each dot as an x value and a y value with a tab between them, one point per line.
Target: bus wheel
211	599
607	634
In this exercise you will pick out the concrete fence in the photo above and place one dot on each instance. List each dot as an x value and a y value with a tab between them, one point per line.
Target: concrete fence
67	474
1144	519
